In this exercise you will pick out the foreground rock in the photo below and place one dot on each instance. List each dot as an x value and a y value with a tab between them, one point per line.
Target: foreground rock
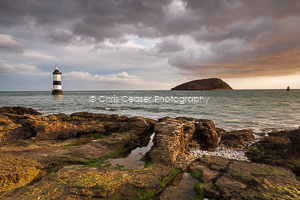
32	145
56	127
280	149
19	110
173	138
237	139
204	84
225	179
90	183
34	150
17	171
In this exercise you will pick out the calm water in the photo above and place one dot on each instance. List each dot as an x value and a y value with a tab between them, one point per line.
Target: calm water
256	109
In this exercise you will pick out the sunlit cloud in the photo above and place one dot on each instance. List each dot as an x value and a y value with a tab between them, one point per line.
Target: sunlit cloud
120	78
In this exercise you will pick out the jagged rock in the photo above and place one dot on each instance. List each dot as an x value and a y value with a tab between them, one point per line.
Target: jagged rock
10	130
164	119
220	131
174	136
139	125
19	110
237	139
294	136
206	135
280	134
171	142
224	179
60	126
277	151
273	143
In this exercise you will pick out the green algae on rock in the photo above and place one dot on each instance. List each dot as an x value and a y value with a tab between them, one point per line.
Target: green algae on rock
16	171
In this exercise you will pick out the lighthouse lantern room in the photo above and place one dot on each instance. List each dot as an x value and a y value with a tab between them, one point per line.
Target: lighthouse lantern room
57	87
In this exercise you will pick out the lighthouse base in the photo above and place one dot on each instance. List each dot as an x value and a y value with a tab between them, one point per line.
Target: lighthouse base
57	92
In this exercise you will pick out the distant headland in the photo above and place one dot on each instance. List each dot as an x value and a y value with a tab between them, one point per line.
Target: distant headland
204	84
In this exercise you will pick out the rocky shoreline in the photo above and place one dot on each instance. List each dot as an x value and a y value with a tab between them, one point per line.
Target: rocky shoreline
35	149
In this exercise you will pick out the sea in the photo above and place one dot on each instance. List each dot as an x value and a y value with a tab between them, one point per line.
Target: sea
230	109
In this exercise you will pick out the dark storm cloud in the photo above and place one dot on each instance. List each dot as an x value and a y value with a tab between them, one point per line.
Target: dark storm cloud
65	21
163	49
225	38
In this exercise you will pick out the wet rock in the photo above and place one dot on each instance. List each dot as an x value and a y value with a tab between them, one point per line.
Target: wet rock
19	110
171	142
237	139
60	126
280	134
206	134
274	143
277	152
139	125
165	119
173	137
220	131
241	180
294	136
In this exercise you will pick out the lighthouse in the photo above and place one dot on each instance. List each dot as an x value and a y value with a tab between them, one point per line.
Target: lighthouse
57	87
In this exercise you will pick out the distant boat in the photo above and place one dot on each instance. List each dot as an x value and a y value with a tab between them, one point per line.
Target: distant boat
288	88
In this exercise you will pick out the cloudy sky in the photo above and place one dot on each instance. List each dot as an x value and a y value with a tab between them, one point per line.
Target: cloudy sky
157	44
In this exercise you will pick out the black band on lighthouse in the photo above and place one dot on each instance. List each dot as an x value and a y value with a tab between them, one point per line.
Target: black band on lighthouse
56	82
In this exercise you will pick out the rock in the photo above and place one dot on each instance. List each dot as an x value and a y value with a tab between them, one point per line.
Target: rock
17	171
101	117
140	125
280	134
204	84
9	130
173	137
277	152
119	140
93	183
274	143
294	136
237	139
171	142
15	124
19	110
165	119
220	131
206	135
224	179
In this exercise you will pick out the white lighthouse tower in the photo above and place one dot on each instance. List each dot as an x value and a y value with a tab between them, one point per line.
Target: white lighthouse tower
57	87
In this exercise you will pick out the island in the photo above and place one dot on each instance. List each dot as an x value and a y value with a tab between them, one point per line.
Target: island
204	84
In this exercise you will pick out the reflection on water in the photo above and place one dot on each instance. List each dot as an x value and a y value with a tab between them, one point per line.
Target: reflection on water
132	160
58	98
180	188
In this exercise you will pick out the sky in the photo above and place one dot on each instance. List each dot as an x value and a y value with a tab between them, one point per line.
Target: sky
148	45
